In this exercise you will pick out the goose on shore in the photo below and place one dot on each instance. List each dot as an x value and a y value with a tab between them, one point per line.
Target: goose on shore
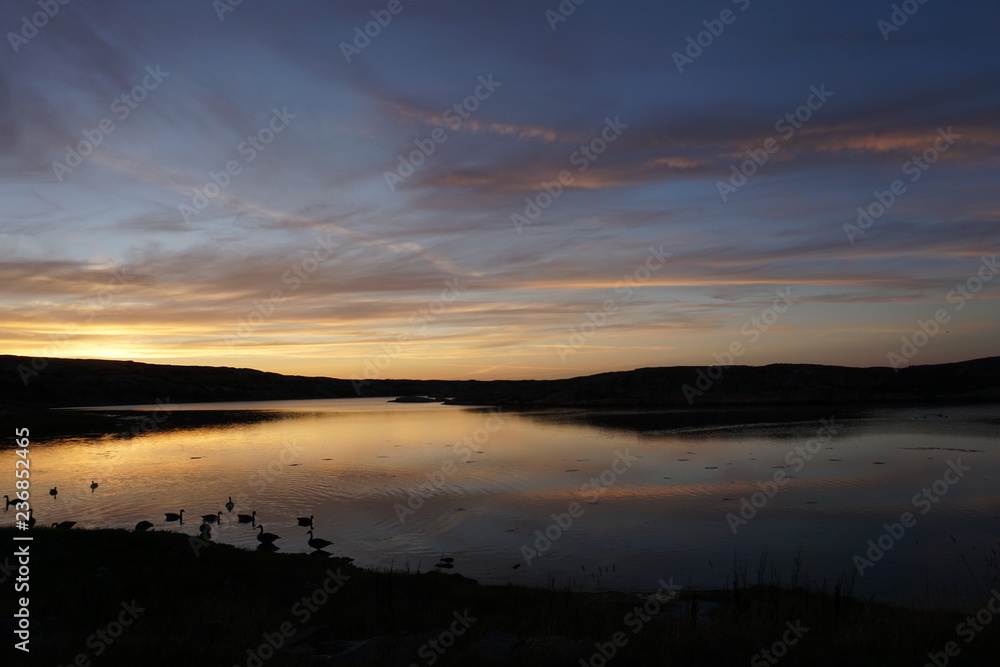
143	525
230	505
64	525
306	521
265	538
174	517
206	531
318	542
248	518
31	518
212	518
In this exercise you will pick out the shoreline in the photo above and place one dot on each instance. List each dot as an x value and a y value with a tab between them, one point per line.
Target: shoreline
189	590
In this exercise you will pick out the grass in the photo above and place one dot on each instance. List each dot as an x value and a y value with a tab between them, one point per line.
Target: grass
211	607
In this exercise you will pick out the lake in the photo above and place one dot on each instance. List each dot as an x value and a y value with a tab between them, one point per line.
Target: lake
566	497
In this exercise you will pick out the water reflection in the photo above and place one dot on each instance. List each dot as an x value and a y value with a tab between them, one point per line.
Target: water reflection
408	484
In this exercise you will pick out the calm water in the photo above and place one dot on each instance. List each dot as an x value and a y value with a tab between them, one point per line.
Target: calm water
650	491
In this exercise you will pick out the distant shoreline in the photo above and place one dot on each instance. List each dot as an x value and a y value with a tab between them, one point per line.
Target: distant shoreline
84	383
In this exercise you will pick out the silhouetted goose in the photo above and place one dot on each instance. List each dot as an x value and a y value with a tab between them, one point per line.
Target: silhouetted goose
174	517
53	491
93	485
267	546
143	525
265	538
318	542
230	505
31	518
212	518
206	531
64	525
306	521
8	502
247	518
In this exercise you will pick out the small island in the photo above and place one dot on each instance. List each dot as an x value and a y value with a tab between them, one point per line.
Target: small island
414	399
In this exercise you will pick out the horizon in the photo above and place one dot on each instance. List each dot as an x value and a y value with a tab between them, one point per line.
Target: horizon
326	190
522	379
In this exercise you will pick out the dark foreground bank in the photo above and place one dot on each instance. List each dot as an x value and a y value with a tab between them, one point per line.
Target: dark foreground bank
112	597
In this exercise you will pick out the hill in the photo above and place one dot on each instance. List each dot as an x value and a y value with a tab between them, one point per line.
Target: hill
88	382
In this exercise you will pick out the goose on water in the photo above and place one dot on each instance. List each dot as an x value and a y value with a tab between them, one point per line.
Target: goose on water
143	525
247	518
212	518
31	518
230	505
265	538
8	502
306	521
64	525
93	485
54	491
174	517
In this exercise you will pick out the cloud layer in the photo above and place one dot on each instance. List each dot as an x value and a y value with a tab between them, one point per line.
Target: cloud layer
472	191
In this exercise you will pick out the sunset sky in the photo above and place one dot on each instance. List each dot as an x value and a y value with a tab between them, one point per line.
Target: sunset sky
239	198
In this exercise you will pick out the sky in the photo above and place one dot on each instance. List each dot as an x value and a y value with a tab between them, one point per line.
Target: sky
486	190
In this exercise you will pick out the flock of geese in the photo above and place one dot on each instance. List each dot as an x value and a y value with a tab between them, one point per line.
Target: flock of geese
267	540
62	525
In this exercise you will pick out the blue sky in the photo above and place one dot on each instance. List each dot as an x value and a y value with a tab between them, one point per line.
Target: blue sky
306	261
